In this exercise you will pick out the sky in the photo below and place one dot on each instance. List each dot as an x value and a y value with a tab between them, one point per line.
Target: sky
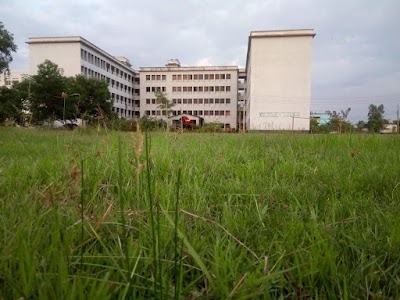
356	52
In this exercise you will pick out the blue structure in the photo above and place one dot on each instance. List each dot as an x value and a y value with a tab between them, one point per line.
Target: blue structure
321	118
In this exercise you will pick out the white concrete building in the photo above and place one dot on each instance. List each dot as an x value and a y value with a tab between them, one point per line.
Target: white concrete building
75	55
8	79
278	68
206	92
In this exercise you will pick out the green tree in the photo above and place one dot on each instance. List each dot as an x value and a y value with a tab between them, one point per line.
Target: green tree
6	47
48	98
93	98
10	105
163	103
375	117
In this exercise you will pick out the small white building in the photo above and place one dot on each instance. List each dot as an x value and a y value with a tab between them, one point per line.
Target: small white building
8	79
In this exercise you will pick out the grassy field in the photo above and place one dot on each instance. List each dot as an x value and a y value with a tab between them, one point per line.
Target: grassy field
97	215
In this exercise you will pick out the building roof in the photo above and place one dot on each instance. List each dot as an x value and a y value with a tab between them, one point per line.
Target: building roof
79	39
189	68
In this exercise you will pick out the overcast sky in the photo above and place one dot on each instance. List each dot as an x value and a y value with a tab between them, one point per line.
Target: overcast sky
356	52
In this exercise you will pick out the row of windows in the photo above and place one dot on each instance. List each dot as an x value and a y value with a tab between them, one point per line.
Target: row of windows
225	113
154	89
98	62
125	113
194	101
111	82
160	77
189	89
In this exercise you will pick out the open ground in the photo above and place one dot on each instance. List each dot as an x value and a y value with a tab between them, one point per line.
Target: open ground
107	215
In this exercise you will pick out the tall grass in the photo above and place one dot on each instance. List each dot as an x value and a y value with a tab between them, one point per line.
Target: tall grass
106	215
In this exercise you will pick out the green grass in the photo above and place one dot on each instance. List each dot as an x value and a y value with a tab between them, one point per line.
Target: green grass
97	215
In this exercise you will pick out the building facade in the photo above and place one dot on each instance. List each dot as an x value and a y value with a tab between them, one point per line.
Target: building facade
74	55
207	92
8	79
278	69
273	92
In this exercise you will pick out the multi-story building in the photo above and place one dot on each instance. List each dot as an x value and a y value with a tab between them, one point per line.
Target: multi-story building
209	93
278	70
272	93
75	55
8	79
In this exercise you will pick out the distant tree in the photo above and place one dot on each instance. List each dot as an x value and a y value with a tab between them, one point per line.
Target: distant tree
6	47
376	120
339	121
48	98
92	98
163	102
361	124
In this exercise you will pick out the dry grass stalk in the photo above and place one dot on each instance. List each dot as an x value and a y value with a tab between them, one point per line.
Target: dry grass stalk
103	218
137	144
238	285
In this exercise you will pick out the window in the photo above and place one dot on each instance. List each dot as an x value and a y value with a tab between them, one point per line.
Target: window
147	101
174	77
153	77
153	101
185	101
211	112
222	76
147	77
211	88
163	89
179	101
174	89
205	101
200	88
228	88
217	88
185	89
200	112
195	77
164	112
195	88
211	101
158	77
195	112
200	76
189	88
147	113
200	101
190	77
179	88
206	76
189	101
216	76
153	112
228	100
147	89
206	88
158	113
185	77
206	112
227	113
222	89
222	100
228	76
211	76
164	77
179	77
217	112
221	112
195	101
216	101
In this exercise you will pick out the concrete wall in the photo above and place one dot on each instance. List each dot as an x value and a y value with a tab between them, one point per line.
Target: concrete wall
66	55
279	83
